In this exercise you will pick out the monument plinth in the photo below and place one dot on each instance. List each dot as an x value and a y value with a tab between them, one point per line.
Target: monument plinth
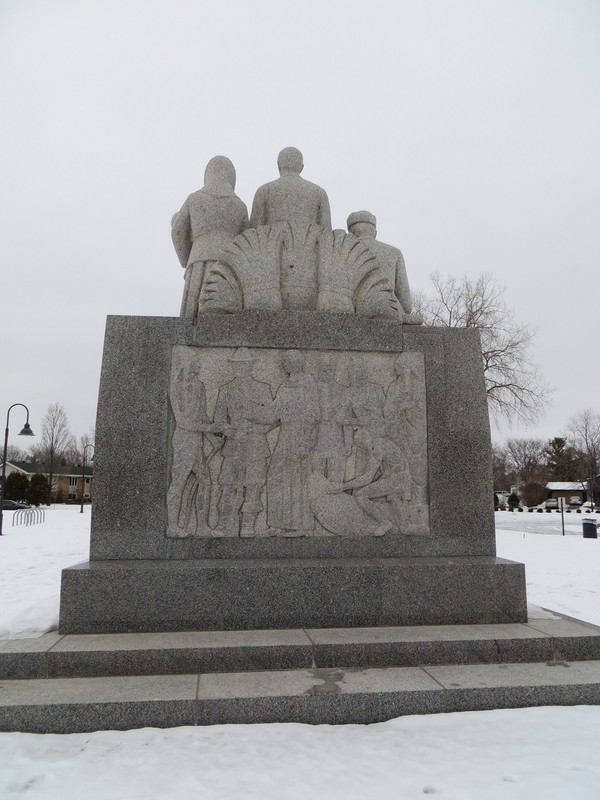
296	450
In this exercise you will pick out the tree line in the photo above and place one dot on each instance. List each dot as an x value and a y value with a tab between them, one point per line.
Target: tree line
529	464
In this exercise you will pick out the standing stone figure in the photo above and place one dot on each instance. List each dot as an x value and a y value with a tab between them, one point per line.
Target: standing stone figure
366	401
209	220
296	407
334	441
292	205
189	489
390	260
405	420
246	450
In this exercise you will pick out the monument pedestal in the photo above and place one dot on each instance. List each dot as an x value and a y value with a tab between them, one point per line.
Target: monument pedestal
265	594
435	564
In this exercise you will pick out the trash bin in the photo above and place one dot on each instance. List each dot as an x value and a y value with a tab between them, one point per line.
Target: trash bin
590	531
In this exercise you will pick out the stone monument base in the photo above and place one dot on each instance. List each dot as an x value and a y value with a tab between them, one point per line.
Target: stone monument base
75	684
148	574
236	594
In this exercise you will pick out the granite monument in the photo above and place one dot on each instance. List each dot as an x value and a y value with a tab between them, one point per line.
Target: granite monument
295	449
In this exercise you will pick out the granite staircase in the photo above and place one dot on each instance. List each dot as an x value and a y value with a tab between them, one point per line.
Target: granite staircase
78	683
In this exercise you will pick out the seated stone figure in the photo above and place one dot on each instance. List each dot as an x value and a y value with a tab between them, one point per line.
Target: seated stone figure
290	198
299	211
390	260
209	220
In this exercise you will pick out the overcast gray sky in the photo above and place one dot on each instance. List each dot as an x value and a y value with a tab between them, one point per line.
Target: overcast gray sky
471	128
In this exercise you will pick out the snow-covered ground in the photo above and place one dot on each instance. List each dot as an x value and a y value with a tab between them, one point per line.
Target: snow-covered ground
31	560
563	572
530	753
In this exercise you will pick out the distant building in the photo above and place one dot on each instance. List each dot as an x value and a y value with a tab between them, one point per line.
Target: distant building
567	490
69	480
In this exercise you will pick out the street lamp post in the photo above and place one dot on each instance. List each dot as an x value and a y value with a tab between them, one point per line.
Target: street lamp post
26	431
83	475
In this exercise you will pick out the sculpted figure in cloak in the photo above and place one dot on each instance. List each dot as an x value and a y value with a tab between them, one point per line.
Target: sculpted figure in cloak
209	220
296	407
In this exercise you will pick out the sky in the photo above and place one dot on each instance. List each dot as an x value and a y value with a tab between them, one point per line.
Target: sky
470	128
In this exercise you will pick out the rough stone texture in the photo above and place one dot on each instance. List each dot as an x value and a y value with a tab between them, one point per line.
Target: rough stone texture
267	676
571	639
179	653
140	579
290	197
390	260
26	658
79	705
317	696
477	687
96	655
131	440
133	421
278	434
208	221
220	594
452	591
433	644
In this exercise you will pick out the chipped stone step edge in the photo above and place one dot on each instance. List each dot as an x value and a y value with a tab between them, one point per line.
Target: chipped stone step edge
314	696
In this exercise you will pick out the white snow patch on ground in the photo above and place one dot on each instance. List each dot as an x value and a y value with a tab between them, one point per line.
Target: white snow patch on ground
31	560
562	572
518	754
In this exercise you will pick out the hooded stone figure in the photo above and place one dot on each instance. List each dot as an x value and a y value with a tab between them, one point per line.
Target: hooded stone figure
209	220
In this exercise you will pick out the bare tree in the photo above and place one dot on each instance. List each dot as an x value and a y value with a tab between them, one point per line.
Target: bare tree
74	454
56	441
15	453
503	471
515	388
584	428
527	457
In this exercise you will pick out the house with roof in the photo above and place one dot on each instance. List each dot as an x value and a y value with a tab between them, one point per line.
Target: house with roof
567	490
70	481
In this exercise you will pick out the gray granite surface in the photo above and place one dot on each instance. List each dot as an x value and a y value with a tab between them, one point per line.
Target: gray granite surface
557	639
147	573
179	653
134	422
234	594
316	695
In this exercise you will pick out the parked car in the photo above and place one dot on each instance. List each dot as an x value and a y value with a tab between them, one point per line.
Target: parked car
12	505
574	501
551	502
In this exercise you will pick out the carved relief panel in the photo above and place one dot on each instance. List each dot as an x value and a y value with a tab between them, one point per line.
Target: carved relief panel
269	442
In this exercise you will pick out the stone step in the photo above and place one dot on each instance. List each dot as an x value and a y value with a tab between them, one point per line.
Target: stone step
553	638
315	696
